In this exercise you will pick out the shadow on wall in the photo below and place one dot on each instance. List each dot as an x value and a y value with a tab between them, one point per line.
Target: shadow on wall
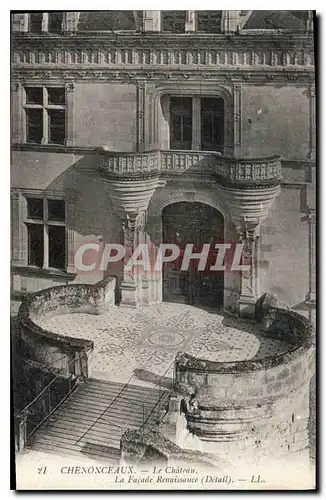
94	217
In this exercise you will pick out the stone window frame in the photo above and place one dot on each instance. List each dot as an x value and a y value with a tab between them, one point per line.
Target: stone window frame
202	93
18	114
19	221
45	23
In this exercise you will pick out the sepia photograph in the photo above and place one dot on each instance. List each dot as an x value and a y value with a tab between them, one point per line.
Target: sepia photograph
163	250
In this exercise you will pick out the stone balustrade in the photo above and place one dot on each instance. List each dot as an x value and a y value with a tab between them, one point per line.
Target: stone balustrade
249	170
225	169
258	407
129	163
48	348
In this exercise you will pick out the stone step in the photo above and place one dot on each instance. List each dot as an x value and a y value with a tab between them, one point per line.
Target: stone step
94	417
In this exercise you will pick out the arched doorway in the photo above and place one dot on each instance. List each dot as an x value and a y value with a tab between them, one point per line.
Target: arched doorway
198	224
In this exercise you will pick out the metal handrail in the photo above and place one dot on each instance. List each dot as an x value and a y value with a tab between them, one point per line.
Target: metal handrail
106	409
59	375
160	395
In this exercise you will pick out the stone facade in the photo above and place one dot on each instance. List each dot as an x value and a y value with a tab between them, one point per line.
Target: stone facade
117	89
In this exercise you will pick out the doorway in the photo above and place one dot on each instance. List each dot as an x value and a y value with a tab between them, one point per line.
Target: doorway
193	223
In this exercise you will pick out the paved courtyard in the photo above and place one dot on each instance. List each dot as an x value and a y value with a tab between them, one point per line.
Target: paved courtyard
143	343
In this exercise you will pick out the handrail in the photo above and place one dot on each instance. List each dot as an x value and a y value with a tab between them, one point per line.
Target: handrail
106	409
160	395
59	375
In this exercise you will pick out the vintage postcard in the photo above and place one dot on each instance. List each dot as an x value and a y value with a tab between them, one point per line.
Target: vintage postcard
163	249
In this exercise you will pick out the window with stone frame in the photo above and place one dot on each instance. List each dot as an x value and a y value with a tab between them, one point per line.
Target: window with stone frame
50	22
209	21
197	123
55	20
46	233
35	22
45	115
173	21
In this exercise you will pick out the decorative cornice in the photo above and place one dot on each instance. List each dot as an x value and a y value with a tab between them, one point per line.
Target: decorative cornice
133	75
162	52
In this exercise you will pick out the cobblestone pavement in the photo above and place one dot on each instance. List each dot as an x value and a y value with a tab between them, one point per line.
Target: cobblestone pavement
144	342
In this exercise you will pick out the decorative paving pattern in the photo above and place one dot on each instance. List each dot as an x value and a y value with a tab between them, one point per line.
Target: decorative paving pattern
128	341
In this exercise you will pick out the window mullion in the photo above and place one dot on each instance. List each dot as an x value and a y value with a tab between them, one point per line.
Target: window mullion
45	139
45	235
196	124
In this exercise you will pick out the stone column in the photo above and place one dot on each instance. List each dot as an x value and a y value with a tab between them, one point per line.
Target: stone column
154	238
152	20
249	235
132	225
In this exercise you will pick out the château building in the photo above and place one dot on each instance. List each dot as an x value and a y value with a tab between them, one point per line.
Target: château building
165	126
151	97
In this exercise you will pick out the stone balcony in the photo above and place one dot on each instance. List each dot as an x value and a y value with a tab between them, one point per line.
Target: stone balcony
226	170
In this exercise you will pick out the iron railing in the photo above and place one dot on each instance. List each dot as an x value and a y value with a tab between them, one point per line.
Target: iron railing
32	416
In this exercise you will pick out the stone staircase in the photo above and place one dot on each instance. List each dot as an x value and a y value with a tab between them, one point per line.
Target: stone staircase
93	418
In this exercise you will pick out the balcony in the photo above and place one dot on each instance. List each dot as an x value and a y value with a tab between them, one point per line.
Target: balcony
225	170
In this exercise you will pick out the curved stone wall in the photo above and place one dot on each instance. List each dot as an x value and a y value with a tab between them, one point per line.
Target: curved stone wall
259	405
64	353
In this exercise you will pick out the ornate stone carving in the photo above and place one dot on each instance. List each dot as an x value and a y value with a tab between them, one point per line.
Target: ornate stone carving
70	87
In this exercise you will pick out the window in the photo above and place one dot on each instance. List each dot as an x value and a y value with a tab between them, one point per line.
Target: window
209	21
197	123
212	124
45	112
46	22
35	22
181	122
55	22
173	20
46	233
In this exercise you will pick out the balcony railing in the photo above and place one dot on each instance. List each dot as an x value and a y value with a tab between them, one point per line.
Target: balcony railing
251	169
165	162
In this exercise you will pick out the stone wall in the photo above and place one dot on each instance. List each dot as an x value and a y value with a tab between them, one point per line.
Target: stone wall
67	354
260	407
151	447
275	120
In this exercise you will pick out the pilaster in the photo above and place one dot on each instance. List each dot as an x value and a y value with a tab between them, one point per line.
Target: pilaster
237	119
249	235
312	124
141	108
132	229
16	239
311	221
70	118
16	112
